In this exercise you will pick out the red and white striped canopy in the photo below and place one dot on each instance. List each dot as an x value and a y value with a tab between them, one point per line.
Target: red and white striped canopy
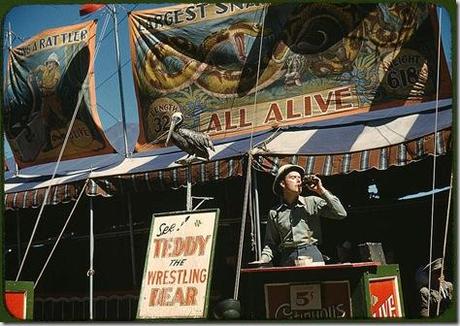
377	139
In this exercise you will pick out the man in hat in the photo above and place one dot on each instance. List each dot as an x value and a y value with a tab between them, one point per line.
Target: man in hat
439	293
293	227
48	82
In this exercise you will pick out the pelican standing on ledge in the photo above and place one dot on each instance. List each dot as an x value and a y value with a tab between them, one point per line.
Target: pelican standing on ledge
190	141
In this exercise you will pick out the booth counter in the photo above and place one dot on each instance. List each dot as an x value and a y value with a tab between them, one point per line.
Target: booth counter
336	291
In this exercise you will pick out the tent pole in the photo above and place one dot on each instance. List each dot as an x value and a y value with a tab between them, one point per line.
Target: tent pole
189	187
251	218
18	235
257	217
243	225
120	84
91	256
131	240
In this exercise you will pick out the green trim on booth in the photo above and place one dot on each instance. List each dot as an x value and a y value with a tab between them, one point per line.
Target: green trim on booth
28	288
391	270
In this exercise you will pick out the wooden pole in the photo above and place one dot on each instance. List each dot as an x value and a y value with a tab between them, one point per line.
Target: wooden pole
91	257
243	225
189	187
131	240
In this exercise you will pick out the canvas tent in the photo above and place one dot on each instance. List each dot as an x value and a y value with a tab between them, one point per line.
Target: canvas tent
341	136
385	138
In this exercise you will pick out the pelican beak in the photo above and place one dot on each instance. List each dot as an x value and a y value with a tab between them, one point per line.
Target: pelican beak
171	128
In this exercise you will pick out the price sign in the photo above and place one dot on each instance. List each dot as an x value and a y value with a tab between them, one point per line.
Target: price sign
305	296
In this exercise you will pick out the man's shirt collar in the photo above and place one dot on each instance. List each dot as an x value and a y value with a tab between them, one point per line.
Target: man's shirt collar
283	205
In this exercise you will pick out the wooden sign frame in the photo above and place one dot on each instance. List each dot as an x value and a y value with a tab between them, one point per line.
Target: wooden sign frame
315	300
178	266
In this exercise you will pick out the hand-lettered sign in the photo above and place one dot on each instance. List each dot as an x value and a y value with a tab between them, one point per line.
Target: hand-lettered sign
319	300
177	272
385	301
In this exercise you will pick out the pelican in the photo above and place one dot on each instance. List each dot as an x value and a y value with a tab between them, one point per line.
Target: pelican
190	141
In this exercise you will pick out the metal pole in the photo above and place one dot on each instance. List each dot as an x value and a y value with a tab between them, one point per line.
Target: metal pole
257	217
243	225
120	84
10	47
91	256
10	39
131	240
189	187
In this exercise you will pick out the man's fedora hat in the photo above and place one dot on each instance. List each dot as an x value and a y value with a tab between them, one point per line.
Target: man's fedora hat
282	172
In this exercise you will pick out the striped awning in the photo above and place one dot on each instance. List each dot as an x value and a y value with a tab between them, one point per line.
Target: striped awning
378	158
379	141
142	172
33	198
167	178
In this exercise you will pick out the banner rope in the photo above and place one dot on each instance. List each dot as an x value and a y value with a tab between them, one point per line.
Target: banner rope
258	73
435	139
48	188
67	136
446	229
60	234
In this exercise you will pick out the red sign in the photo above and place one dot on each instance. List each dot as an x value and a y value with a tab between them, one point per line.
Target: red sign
16	304
385	301
320	300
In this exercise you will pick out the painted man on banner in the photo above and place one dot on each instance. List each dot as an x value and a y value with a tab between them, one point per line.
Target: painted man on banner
48	78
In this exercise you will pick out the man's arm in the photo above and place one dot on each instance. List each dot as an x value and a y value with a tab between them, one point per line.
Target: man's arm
333	208
272	240
423	302
40	68
328	205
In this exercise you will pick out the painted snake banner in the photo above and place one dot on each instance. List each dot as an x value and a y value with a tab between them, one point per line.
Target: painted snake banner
237	68
44	78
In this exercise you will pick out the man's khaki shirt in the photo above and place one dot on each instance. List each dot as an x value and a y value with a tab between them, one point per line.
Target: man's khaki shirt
298	224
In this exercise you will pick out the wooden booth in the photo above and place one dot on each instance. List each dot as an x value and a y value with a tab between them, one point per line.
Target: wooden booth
337	291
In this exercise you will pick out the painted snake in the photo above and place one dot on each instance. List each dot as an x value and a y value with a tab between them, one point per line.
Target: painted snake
327	38
392	25
197	64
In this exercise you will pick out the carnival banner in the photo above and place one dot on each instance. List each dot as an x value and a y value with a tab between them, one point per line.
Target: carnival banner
44	78
236	68
178	265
